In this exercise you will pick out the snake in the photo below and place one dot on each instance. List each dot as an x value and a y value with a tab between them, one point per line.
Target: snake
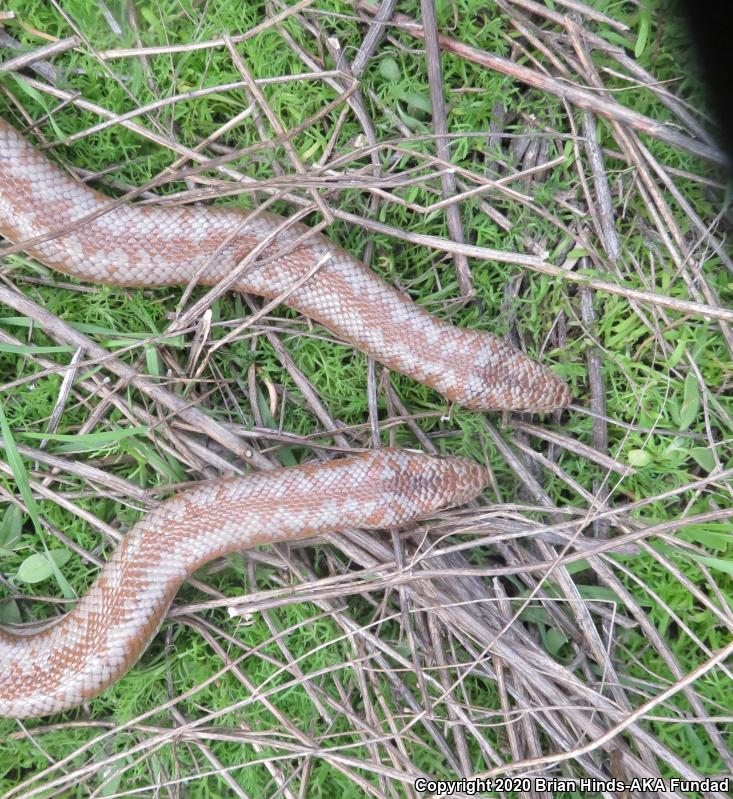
94	644
72	228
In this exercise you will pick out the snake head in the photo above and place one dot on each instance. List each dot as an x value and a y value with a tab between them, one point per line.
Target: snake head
499	377
413	485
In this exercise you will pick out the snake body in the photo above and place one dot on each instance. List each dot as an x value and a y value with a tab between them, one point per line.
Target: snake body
143	245
106	632
140	245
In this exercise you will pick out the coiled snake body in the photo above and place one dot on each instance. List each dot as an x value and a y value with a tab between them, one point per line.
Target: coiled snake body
134	245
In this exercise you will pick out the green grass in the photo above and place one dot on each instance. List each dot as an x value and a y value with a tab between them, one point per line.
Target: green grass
662	417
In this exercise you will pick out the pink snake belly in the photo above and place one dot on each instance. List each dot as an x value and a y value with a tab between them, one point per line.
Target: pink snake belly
59	667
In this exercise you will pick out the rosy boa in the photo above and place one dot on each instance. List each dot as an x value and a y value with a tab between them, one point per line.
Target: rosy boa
75	659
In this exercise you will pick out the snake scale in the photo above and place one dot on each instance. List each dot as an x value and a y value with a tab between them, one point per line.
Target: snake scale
129	244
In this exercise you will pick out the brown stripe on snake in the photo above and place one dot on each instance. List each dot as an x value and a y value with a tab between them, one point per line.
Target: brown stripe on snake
93	645
144	245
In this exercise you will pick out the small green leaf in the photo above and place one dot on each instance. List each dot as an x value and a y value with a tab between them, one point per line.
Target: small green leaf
309	152
599	593
554	640
72	442
615	38
715	563
419	101
577	566
645	21
36	568
534	614
691	401
150	17
10	526
287	458
18	468
639	458
170	470
714	535
704	457
31	349
389	69
40	99
678	352
412	124
9	612
152	362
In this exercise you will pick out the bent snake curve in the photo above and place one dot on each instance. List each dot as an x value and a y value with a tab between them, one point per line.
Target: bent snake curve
140	245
